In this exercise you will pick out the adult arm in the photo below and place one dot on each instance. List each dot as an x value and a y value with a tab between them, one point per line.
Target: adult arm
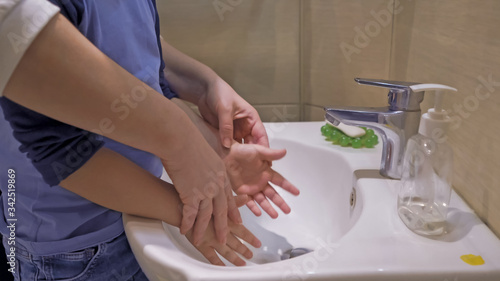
64	76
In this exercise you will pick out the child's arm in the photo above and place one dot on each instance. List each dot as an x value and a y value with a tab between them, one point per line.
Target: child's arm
248	167
113	181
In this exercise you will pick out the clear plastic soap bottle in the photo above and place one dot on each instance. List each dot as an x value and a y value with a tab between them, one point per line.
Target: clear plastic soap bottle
425	189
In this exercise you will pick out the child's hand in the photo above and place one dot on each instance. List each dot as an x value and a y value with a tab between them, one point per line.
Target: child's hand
209	245
249	169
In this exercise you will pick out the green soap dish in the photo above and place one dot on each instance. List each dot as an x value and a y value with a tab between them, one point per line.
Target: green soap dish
337	137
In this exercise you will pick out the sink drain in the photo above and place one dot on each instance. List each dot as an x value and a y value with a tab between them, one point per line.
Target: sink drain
293	253
352	199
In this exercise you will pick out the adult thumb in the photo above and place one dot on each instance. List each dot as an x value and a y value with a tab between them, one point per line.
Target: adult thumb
226	128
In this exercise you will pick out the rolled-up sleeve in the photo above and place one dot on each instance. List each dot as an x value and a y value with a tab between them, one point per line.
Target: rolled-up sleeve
20	23
55	149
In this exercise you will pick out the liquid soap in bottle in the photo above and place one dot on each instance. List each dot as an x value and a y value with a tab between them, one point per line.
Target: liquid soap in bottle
425	189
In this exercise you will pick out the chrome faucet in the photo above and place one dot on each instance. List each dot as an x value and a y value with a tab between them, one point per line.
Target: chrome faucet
395	123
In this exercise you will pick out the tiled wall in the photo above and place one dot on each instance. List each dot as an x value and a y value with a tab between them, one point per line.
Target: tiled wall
289	58
281	54
342	40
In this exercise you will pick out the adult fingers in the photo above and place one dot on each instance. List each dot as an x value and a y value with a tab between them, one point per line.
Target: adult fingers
225	116
232	206
189	213
259	134
220	208
202	220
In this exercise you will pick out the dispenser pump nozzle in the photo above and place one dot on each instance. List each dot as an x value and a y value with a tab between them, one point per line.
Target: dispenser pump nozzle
436	118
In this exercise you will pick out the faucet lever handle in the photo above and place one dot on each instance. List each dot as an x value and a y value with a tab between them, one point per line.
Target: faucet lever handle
400	85
401	96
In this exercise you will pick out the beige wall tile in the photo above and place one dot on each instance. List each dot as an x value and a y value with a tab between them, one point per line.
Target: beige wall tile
456	42
313	113
279	112
253	45
362	28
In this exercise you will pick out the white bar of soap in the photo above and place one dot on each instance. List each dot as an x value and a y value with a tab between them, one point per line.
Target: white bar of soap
351	131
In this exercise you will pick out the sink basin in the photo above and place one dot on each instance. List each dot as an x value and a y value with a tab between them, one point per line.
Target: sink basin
345	217
307	226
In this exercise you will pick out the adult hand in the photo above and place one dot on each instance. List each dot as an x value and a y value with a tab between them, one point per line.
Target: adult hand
199	176
249	169
235	118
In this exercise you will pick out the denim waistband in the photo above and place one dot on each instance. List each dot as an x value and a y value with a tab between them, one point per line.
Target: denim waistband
70	244
22	252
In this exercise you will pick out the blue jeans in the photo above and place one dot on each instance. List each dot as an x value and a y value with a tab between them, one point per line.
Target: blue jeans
108	261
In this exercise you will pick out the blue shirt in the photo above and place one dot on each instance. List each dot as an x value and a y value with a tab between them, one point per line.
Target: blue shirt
53	219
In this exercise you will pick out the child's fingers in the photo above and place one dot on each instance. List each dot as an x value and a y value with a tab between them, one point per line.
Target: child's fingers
280	181
189	213
225	115
254	208
271	193
210	254
261	199
235	244
220	217
229	255
232	205
202	220
240	200
245	234
270	154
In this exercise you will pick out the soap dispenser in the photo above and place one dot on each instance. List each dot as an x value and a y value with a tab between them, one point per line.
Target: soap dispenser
425	189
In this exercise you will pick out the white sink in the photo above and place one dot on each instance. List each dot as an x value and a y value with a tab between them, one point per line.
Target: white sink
345	213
